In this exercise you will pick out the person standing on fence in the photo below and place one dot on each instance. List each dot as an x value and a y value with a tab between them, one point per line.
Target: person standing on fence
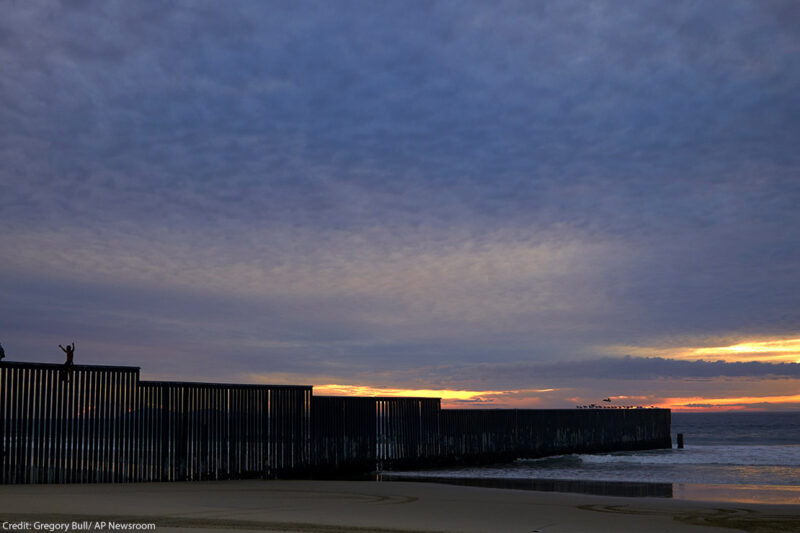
70	351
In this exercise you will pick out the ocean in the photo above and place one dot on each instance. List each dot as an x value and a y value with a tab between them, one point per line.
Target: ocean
752	457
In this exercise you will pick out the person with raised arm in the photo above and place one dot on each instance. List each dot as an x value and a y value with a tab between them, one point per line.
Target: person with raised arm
70	351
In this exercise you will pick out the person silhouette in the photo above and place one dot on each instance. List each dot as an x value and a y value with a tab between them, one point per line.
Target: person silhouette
2	352
67	370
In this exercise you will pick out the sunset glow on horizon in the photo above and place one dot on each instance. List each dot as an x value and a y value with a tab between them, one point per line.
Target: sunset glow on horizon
533	398
746	403
450	398
776	351
763	350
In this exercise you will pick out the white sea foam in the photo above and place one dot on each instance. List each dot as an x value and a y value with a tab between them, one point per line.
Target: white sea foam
758	465
703	455
725	448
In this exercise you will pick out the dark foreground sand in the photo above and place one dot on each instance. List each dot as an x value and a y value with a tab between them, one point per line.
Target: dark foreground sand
362	506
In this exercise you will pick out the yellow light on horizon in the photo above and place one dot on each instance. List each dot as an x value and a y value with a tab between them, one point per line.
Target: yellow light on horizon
765	350
788	346
698	403
445	394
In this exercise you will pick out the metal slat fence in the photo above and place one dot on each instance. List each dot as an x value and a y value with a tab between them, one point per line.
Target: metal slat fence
407	431
365	433
101	424
469	435
344	432
62	426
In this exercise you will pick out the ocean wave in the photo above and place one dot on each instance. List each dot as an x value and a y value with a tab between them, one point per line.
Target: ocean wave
788	455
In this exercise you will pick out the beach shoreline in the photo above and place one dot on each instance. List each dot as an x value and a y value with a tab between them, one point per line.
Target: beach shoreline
700	492
360	506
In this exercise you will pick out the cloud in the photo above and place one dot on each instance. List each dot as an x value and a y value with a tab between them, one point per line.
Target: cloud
347	119
767	350
650	369
370	189
354	301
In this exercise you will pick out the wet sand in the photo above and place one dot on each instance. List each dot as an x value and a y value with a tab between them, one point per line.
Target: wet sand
381	507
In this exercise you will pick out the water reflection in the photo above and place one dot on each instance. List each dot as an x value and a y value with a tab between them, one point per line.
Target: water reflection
598	488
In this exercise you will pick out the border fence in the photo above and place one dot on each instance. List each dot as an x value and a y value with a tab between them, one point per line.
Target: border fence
495	435
94	424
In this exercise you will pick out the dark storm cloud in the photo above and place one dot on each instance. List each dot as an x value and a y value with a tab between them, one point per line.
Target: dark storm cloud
361	185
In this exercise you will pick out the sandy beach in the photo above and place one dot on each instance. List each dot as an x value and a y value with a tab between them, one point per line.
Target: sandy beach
361	506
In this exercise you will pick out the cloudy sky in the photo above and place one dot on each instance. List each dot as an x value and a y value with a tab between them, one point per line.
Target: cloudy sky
500	203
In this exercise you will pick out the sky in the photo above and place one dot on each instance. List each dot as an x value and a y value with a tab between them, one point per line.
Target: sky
503	204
